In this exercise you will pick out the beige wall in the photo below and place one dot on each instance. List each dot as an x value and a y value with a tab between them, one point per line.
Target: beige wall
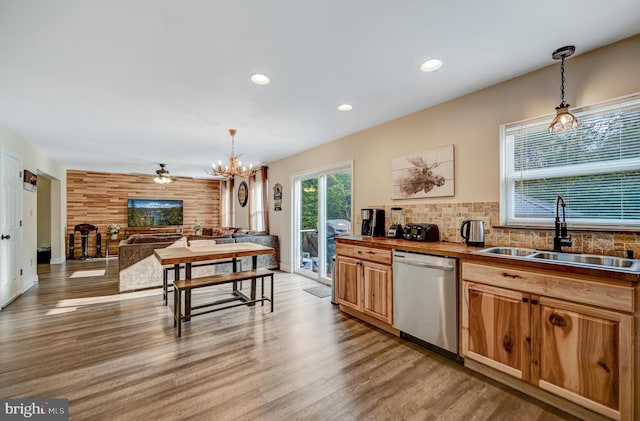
471	123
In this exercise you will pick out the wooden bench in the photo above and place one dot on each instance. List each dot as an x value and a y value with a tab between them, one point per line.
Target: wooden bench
165	275
187	285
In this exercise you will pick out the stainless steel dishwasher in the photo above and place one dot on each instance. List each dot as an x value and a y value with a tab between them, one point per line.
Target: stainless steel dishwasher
425	300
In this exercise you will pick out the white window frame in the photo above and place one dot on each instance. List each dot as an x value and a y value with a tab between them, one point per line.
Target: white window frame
509	176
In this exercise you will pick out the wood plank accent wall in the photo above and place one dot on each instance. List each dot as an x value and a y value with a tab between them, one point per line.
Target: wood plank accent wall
100	199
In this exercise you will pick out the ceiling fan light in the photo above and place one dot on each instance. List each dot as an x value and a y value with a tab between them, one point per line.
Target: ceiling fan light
162	176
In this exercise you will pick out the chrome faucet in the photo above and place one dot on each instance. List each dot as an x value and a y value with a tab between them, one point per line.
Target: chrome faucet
562	238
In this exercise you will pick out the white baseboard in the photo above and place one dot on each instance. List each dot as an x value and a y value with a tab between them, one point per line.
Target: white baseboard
57	261
285	268
29	283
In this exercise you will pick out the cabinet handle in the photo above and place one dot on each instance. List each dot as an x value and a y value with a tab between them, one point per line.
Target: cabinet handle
507	275
525	300
6	237
534	302
557	320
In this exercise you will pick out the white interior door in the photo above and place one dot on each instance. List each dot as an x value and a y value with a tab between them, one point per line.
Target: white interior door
10	230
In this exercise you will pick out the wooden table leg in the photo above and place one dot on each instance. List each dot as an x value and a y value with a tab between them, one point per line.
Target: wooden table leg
178	294
272	292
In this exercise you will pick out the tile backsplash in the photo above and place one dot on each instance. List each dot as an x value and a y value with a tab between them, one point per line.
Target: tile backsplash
449	216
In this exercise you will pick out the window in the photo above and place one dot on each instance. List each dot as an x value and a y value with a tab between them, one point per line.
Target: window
595	168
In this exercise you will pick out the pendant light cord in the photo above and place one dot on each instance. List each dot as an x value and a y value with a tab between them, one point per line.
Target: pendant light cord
562	80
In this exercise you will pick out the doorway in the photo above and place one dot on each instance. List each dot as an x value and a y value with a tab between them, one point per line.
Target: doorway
322	209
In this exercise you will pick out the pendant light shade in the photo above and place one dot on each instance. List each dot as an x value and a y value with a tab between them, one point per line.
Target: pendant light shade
564	119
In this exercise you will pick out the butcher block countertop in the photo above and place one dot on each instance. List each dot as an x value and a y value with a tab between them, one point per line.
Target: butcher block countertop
462	251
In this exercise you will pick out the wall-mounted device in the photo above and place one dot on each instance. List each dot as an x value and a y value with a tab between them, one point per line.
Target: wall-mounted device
421	232
372	222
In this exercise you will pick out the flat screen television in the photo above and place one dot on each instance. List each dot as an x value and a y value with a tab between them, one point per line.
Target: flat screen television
154	212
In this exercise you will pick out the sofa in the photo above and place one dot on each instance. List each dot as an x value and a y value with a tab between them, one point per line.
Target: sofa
139	269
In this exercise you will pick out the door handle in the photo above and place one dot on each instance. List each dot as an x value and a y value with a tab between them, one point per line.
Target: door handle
5	237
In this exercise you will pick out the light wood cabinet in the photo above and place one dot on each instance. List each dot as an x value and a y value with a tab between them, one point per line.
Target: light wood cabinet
583	354
348	282
574	350
364	279
498	323
377	291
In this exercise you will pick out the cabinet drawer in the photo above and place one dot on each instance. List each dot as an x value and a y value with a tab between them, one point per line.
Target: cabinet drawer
583	291
364	253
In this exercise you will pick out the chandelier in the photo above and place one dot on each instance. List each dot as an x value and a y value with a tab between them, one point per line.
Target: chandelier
234	168
162	176
564	118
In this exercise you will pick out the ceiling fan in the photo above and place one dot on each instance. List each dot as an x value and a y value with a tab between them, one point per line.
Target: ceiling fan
162	176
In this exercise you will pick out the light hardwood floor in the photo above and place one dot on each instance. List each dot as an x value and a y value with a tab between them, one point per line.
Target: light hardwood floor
115	357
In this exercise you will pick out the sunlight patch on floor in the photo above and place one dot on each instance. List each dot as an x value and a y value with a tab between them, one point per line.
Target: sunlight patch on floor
73	304
87	273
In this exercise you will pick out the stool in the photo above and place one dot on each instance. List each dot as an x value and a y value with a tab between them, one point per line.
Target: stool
85	229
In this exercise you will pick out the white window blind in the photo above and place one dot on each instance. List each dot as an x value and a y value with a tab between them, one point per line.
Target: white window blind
596	168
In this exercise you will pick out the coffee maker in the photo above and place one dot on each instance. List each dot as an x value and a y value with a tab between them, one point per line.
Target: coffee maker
372	222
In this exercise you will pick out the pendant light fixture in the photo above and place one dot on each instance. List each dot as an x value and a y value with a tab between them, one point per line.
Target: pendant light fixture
162	176
564	118
234	168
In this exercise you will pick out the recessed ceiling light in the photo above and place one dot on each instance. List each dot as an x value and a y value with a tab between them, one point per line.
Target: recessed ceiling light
260	79
431	65
345	107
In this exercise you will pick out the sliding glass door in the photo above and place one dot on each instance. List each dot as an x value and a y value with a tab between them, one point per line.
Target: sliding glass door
323	211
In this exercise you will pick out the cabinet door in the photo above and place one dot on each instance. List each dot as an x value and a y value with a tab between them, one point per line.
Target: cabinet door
584	355
348	281
495	328
378	291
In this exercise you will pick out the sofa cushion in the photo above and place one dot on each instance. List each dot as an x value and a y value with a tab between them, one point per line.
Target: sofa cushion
198	243
155	239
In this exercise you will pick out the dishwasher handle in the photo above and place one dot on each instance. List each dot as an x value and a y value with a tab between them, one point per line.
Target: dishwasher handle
423	265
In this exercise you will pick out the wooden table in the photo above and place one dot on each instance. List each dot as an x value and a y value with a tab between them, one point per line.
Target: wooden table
177	256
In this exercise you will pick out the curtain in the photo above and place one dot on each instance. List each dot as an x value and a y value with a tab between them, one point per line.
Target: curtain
252	204
258	202
227	216
265	198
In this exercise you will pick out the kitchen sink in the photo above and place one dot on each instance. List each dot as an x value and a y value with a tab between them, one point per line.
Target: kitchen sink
589	259
570	259
509	251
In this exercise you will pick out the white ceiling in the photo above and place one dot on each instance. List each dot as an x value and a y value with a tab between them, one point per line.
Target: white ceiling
121	85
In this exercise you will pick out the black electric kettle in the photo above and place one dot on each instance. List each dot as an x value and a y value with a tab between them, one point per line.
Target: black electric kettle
472	231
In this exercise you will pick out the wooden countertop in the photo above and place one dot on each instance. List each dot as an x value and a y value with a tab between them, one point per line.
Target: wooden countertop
178	255
462	251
